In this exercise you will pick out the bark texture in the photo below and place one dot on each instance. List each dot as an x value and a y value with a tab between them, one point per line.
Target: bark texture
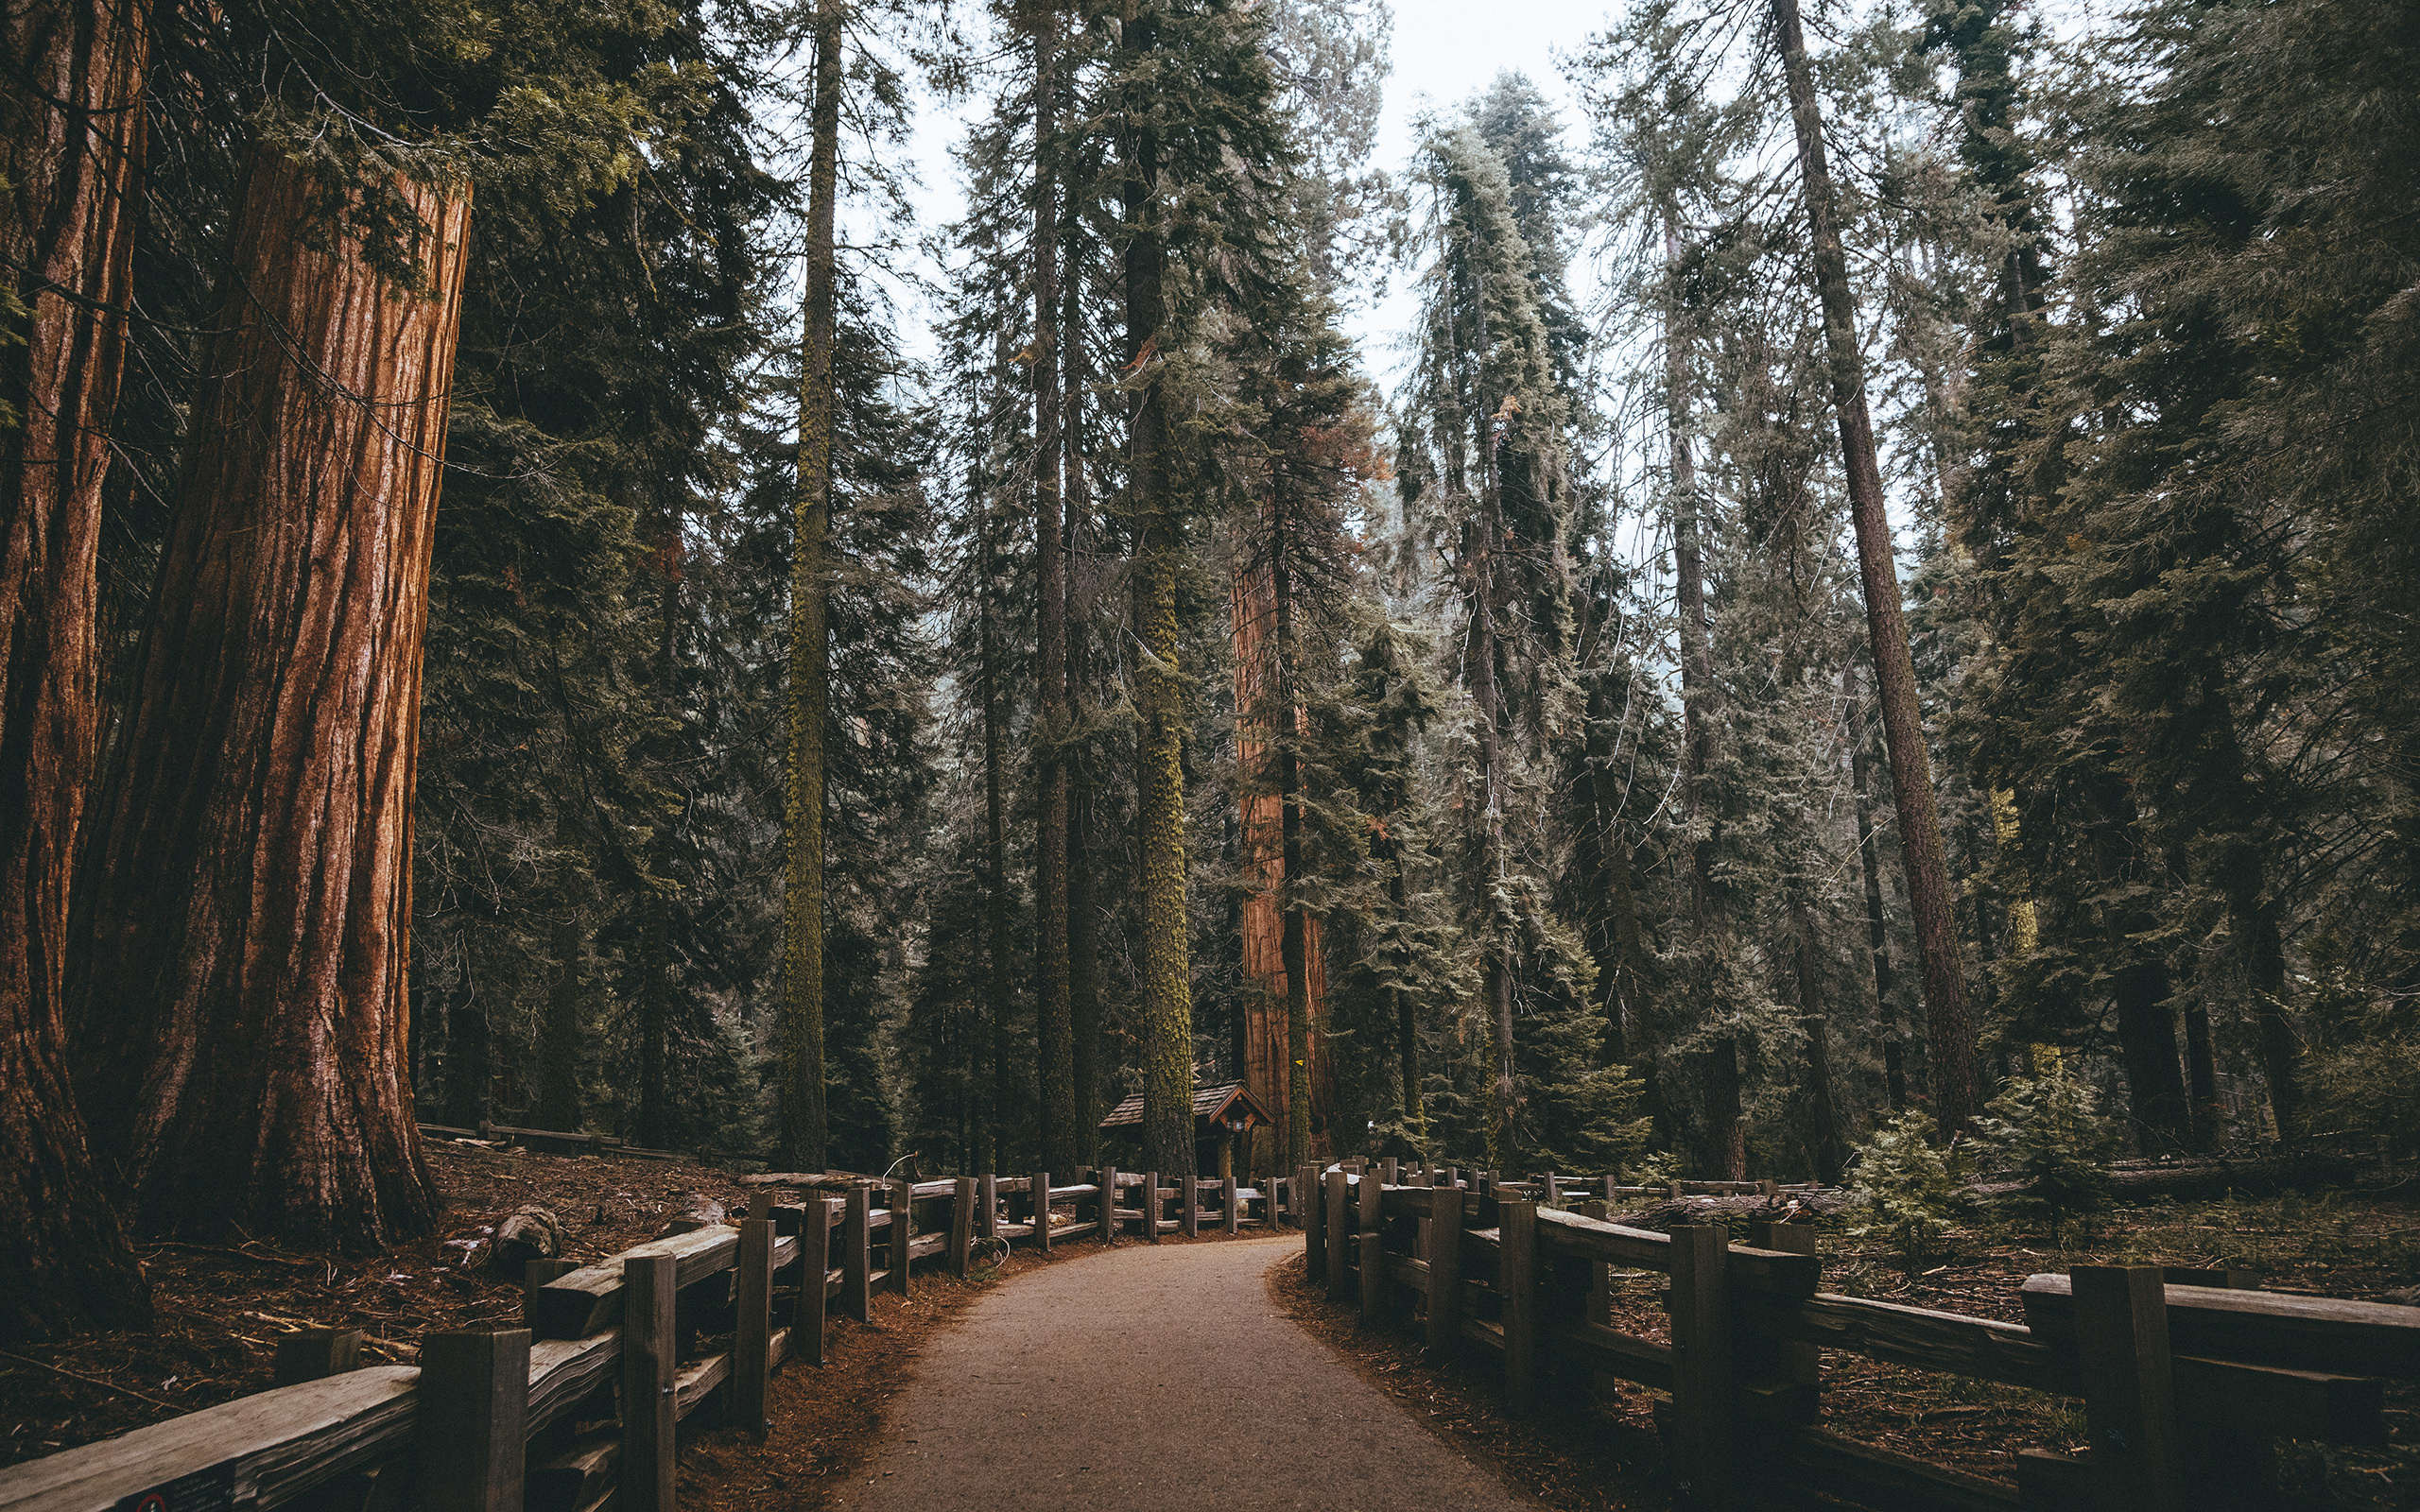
804	1129
1951	1027
71	147
1167	986
1063	1148
1281	943
243	1012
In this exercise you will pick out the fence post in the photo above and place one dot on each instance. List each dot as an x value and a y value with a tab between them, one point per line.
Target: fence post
962	1225
2129	1396
533	1276
1516	1278
1339	1234
1374	1252
1190	1214
986	1206
1445	1272
856	1254
760	1204
1107	1180
1312	1212
752	1335
814	1278
1787	1379
650	1287
1152	1207
1701	1309
1227	1197
315	1354
470	1410
903	1236
1040	1203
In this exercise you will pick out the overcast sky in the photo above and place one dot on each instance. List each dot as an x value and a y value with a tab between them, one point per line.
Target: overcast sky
1444	53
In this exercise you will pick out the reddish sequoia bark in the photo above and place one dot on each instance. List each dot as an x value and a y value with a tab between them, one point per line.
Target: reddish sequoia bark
244	1013
71	146
1269	1048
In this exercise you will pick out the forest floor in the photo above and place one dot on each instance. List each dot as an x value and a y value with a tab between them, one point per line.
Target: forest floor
217	1311
1584	1452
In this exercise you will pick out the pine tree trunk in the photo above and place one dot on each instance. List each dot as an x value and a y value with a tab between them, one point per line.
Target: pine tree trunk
70	150
804	1131
1951	1027
244	1006
655	933
1709	922
999	1002
1869	859
1823	1131
1054	1024
1167	989
1495	993
1083	926
558	1044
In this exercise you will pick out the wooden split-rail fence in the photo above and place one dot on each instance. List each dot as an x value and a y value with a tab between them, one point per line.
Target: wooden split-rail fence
577	1410
2186	1378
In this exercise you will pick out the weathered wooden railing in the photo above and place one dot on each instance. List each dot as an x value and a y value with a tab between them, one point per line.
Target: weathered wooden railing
2183	1386
581	1408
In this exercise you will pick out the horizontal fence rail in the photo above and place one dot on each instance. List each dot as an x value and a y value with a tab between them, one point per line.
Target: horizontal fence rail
2184	1385
579	1410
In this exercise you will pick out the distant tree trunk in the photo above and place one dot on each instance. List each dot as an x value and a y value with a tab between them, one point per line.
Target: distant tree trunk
70	150
1293	948
1823	1131
804	1131
244	1003
1709	922
1054	1024
1479	538
1615	939
1167	989
1869	859
655	934
1951	1027
469	1068
1083	936
560	1039
995	870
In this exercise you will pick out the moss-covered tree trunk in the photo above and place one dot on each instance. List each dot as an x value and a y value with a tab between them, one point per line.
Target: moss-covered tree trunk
1083	936
71	149
998	998
1951	1027
1869	859
1167	1027
804	1131
1063	1149
243	1012
1709	924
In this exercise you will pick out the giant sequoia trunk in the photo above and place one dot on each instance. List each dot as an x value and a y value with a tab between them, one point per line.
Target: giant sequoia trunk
71	146
1063	1148
1955	1093
1281	942
244	1011
1167	987
810	671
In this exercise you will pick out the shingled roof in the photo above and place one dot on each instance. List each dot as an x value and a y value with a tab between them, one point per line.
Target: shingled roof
1210	1104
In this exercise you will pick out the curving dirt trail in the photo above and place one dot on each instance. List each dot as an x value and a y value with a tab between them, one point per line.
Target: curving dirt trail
1152	1379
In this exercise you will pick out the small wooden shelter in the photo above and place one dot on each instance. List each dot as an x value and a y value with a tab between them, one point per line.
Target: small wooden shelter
1222	1116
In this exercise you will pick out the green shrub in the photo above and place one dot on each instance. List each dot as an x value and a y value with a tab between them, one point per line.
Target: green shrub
2050	1131
1903	1187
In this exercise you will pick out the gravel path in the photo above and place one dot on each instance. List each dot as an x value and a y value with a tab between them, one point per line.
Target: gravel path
1154	1378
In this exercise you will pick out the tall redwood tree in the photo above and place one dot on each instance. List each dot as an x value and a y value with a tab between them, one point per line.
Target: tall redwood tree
244	1019
71	148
